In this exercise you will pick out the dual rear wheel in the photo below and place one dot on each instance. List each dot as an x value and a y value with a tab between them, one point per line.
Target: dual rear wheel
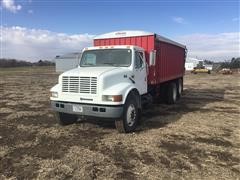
174	91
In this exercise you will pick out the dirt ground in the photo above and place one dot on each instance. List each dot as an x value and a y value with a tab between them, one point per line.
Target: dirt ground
198	138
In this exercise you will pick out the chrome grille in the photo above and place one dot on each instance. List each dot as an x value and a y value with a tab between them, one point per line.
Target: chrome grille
75	84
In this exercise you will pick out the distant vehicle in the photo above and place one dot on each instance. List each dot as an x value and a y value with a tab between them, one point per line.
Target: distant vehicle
226	71
200	69
119	76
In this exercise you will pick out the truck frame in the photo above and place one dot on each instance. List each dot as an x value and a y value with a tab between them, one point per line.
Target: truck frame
122	73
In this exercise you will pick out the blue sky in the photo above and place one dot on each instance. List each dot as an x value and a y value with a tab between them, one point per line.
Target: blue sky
185	21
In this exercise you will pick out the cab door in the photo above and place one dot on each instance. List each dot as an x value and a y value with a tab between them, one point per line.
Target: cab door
140	72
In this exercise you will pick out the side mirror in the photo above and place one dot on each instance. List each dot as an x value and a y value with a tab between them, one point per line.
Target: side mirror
152	58
147	70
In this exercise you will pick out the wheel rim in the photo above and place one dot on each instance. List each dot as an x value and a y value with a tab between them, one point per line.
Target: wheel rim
180	88
131	115
174	94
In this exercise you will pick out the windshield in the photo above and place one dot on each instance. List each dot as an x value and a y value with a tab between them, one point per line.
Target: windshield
106	57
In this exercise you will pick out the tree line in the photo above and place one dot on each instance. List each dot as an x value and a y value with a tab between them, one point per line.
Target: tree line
18	63
232	64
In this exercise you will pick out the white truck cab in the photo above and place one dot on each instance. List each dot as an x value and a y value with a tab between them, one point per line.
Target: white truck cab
108	83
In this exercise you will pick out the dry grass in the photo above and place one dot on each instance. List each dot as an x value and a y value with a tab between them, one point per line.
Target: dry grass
198	138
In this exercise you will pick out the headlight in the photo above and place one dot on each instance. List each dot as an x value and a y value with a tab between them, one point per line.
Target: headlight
54	94
113	98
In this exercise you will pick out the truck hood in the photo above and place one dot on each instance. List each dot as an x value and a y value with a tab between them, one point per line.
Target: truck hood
89	71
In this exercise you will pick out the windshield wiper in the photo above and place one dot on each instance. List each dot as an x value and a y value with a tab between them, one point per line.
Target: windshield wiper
88	65
112	64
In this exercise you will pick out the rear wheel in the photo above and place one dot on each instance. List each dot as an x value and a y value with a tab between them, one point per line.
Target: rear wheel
163	93
180	88
130	118
65	119
172	93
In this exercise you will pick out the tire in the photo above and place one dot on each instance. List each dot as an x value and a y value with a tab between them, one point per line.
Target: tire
179	87
209	72
163	93
129	121
172	93
65	119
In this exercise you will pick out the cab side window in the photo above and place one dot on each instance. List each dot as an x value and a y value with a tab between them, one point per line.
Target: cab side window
138	60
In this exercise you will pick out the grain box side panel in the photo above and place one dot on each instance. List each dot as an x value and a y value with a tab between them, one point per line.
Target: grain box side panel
169	62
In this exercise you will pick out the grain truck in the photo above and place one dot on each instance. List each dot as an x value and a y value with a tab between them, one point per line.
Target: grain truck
118	77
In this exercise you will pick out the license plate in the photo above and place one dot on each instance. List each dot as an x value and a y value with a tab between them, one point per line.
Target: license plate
77	108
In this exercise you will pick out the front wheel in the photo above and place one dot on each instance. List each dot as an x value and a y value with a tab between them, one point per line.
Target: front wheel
128	122
65	119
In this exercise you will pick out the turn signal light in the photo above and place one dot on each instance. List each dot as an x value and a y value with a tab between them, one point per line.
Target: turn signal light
113	98
54	94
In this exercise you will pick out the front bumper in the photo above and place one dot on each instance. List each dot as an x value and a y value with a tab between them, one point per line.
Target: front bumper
88	109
